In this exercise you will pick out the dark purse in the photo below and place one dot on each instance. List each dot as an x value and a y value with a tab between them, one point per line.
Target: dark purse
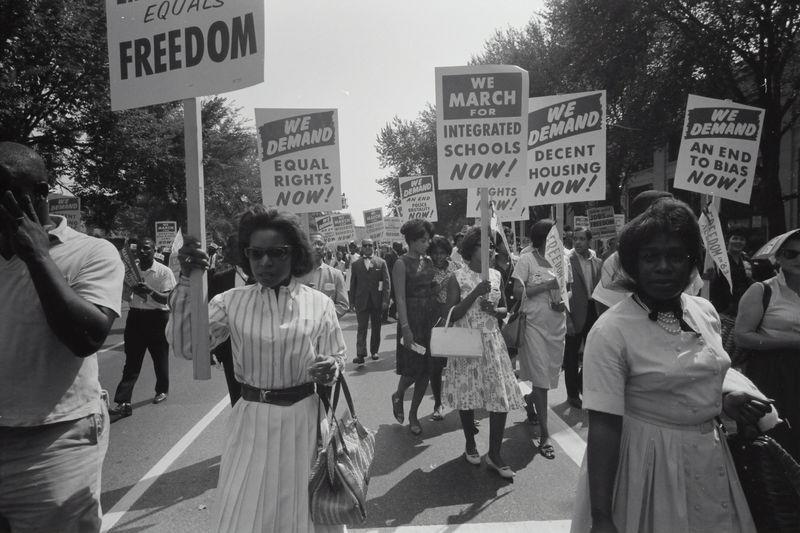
337	488
770	479
513	331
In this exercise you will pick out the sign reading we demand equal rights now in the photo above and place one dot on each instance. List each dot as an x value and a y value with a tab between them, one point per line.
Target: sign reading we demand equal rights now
298	151
566	148
719	148
162	51
418	198
481	114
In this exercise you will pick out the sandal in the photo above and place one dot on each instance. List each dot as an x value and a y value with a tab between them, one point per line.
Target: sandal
397	408
437	414
547	451
415	427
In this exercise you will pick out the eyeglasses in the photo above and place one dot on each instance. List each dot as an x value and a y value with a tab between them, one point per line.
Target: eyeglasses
276	252
790	254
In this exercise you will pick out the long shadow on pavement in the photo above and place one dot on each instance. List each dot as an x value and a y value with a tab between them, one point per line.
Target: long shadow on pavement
172	488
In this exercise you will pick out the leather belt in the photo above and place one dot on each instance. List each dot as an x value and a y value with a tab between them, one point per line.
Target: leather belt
281	397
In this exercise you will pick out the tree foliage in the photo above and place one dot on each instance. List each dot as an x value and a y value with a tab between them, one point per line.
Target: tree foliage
127	167
408	148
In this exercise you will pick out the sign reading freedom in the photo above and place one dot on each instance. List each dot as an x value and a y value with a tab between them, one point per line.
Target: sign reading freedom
175	49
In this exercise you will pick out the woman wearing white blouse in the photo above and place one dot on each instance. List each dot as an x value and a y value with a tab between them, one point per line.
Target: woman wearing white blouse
285	339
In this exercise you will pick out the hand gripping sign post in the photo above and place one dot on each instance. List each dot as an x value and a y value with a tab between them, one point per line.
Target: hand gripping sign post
418	198
298	152
481	130
567	148
719	148
171	50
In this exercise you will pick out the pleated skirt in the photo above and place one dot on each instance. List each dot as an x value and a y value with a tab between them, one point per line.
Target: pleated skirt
265	467
671	480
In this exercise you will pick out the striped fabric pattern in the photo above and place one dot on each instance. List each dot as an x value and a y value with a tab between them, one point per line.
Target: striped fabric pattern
274	338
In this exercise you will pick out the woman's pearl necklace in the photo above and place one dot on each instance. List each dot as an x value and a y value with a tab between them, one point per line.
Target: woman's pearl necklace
668	323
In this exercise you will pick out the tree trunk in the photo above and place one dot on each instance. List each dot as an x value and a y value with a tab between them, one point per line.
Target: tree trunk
771	196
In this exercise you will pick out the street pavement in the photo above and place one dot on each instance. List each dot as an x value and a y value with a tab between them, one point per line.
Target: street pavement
163	462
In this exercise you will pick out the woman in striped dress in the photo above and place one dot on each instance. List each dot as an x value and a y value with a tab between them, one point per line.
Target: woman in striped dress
285	338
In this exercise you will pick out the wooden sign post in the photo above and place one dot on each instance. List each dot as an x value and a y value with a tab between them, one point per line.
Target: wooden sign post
196	217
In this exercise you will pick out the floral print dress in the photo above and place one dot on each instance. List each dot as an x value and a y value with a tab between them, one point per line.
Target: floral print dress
487	382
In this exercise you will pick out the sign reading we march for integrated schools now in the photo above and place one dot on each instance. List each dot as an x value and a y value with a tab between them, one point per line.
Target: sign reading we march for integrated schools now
567	148
373	223
719	148
165	233
161	51
418	198
481	115
298	152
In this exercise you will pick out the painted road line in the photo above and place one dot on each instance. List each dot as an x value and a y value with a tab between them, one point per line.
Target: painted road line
539	526
111	347
113	516
562	433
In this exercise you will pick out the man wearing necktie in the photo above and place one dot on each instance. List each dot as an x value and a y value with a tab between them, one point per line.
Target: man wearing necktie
369	292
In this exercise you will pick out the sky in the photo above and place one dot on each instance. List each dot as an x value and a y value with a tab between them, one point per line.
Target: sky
372	60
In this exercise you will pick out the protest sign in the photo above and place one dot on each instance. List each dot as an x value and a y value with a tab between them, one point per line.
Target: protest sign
165	233
719	148
580	221
714	241
298	152
373	223
68	207
601	222
391	229
418	198
555	255
506	202
566	148
619	222
172	49
481	119
337	228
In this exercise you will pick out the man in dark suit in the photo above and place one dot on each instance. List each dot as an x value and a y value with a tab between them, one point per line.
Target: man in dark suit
586	268
369	293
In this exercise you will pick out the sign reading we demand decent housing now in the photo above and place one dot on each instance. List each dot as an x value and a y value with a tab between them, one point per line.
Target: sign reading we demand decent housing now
298	153
481	114
719	148
567	148
162	51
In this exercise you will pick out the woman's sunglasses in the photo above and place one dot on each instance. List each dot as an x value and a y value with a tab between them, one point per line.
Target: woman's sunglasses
276	252
790	254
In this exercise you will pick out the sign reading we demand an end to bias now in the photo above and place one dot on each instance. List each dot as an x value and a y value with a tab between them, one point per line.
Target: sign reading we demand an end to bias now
567	148
298	153
418	198
166	50
481	114
719	148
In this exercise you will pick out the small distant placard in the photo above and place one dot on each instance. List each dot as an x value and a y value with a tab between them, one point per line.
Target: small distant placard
601	222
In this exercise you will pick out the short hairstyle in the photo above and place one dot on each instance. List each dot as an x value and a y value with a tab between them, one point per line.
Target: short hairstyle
645	199
397	246
457	236
416	229
260	218
439	242
585	230
539	230
668	216
470	243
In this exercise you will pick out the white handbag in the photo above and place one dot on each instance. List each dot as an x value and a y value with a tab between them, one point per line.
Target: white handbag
449	341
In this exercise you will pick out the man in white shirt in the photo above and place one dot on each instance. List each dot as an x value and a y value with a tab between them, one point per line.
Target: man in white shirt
144	329
325	278
586	267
